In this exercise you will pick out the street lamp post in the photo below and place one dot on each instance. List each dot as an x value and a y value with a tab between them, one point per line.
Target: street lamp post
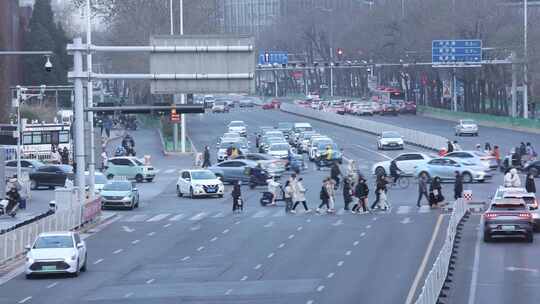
182	96
525	68
90	101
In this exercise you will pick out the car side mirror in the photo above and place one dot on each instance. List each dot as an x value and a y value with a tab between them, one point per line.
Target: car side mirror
188	179
27	247
80	245
135	189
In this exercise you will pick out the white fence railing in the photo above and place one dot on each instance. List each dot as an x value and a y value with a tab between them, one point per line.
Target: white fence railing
437	275
13	243
410	136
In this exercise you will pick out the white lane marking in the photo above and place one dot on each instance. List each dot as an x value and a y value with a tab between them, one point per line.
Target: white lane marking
403	209
320	288
368	226
375	218
281	245
237	222
198	216
340	263
291	236
228	292
98	261
330	275
225	231
151	233
279	213
150	281
374	151
348	252
337	223
310	302
127	229
135	242
168	171
244	278
356	243
200	248
269	224
52	285
129	294
340	212
186	258
117	251
25	300
136	218
424	262
362	234
476	266
219	214
158	217
167	225
270	255
406	220
308	221
257	267
299	228
261	213
177	217
214	239
195	227
424	209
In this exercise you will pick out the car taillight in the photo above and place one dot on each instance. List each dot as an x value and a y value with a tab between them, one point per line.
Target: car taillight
525	215
535	204
490	215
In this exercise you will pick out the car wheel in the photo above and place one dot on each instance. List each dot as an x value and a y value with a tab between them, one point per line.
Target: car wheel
33	184
487	237
28	276
380	171
110	176
178	192
139	178
530	238
77	271
533	171
191	195
467	178
84	268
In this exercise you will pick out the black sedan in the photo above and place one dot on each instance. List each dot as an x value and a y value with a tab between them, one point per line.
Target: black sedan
50	176
508	218
31	164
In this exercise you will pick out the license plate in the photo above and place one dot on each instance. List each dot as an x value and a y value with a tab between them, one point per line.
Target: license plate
48	268
211	190
393	144
508	228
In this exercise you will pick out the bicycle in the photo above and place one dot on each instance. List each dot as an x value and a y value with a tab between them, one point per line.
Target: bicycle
403	181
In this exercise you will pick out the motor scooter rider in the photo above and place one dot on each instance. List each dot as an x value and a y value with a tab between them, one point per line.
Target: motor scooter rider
13	198
273	187
326	156
120	151
257	176
335	172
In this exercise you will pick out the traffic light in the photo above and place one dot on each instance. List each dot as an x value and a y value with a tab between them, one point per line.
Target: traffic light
339	53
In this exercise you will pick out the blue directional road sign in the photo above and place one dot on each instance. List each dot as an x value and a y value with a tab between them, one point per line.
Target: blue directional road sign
446	52
273	58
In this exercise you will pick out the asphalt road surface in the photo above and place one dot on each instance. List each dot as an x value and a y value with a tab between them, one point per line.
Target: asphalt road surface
182	250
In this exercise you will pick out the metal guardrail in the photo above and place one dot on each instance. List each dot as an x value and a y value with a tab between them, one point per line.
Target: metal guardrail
13	243
436	277
413	137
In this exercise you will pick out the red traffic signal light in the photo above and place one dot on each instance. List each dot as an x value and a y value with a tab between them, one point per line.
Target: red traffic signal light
340	51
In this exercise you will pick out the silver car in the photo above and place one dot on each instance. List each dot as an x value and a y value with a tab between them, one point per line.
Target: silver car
445	169
466	126
56	252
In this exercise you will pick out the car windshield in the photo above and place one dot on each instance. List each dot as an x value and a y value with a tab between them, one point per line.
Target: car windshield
137	162
279	147
237	145
117	186
203	175
54	241
391	135
285	125
237	124
468	122
508	206
323	145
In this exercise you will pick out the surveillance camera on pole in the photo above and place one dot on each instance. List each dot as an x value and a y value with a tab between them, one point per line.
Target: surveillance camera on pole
48	64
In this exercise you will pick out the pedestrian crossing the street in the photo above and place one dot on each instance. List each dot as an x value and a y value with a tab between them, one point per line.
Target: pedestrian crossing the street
257	214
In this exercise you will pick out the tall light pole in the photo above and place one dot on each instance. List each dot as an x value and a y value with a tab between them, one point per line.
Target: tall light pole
525	68
90	103
182	96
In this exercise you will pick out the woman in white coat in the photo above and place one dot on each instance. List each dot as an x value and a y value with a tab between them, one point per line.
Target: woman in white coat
511	179
299	196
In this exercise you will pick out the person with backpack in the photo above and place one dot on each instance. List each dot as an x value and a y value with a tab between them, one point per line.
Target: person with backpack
237	198
361	193
435	195
324	196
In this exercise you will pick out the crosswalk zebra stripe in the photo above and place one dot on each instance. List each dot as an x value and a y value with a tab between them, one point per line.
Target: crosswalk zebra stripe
341	212
158	217
198	216
177	217
219	214
403	209
424	209
169	171
261	213
279	213
136	218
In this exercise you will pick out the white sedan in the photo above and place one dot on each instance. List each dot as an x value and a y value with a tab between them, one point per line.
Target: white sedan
406	162
56	252
466	126
390	140
199	183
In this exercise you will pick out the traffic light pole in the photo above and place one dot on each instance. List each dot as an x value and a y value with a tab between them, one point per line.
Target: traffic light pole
90	103
78	111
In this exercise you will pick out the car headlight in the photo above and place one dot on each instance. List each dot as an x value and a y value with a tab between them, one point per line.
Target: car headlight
127	197
198	187
74	257
29	259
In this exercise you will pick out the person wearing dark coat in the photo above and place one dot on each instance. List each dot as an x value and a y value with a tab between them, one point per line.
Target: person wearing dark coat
450	148
435	189
422	189
347	193
361	192
236	195
381	185
206	157
458	186
530	186
335	172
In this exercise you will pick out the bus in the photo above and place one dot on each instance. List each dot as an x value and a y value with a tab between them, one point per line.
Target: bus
37	139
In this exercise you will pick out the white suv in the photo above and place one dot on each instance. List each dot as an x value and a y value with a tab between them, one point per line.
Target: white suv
520	193
466	126
199	183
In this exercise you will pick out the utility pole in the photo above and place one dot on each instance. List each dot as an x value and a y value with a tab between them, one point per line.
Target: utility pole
525	66
513	111
183	96
332	79
90	101
78	111
175	126
454	92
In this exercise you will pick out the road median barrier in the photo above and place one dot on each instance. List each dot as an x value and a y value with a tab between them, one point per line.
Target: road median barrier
410	136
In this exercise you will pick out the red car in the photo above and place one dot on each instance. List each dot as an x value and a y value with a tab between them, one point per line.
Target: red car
410	107
268	106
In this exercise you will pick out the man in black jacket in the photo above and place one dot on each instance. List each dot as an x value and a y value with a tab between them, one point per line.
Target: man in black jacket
236	195
347	193
206	157
361	192
458	186
335	172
